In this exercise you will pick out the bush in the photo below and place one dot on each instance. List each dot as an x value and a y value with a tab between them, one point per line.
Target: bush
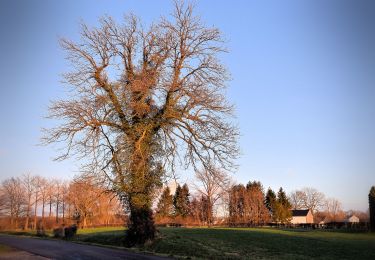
70	231
65	232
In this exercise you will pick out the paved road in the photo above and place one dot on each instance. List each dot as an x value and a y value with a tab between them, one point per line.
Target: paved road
59	249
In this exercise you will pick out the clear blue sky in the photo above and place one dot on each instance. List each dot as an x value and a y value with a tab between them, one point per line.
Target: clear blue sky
303	85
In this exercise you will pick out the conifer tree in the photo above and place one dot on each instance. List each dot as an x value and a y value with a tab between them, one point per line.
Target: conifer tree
371	200
165	204
181	201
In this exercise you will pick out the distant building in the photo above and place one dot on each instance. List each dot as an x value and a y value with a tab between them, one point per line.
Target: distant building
352	219
302	216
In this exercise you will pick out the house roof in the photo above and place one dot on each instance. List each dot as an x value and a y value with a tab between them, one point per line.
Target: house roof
300	212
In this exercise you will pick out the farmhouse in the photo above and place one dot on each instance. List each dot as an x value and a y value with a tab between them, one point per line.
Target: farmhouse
352	219
302	216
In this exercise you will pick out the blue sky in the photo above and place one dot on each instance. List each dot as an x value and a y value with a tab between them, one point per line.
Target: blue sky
303	86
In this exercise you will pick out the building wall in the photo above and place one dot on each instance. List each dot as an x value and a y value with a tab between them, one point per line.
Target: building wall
309	218
298	220
303	219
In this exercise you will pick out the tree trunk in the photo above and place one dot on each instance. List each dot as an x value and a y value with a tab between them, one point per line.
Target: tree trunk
141	227
43	204
12	222
35	209
84	222
57	212
27	216
63	212
50	207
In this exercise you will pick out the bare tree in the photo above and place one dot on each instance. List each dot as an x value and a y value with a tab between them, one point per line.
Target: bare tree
44	188
37	183
213	183
50	194
333	209
58	192
14	199
84	195
141	100
28	183
297	199
310	198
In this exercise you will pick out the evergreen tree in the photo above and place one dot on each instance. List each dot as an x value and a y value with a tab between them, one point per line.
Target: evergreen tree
185	206
283	207
165	204
181	201
371	200
270	200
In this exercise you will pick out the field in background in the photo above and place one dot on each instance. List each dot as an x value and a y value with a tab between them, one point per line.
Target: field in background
247	243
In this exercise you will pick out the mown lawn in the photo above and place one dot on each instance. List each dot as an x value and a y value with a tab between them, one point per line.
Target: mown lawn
247	243
244	243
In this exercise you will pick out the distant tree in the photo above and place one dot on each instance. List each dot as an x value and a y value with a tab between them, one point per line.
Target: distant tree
312	199
371	200
270	200
247	205
44	187
282	208
213	183
58	188
14	199
297	199
333	210
37	183
83	196
257	212
196	210
29	188
181	201
205	210
165	204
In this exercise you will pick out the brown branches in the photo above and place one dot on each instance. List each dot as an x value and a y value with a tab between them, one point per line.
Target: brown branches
143	97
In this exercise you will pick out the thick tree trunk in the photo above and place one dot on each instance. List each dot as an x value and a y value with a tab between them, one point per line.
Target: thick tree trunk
141	227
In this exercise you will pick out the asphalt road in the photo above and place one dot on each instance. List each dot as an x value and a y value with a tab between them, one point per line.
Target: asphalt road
59	249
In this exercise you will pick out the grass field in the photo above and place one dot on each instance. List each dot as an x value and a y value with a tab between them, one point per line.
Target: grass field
245	243
250	243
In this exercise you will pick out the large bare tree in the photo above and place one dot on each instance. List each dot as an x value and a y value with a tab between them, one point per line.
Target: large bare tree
142	101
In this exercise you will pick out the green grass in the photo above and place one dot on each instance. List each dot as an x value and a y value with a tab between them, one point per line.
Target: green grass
264	243
245	243
113	236
5	249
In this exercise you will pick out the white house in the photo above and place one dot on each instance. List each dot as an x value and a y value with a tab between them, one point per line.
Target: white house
302	216
352	219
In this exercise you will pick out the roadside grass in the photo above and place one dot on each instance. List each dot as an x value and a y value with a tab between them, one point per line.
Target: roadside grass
5	249
113	236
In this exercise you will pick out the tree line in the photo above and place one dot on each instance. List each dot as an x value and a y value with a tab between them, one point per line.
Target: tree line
33	201
217	201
